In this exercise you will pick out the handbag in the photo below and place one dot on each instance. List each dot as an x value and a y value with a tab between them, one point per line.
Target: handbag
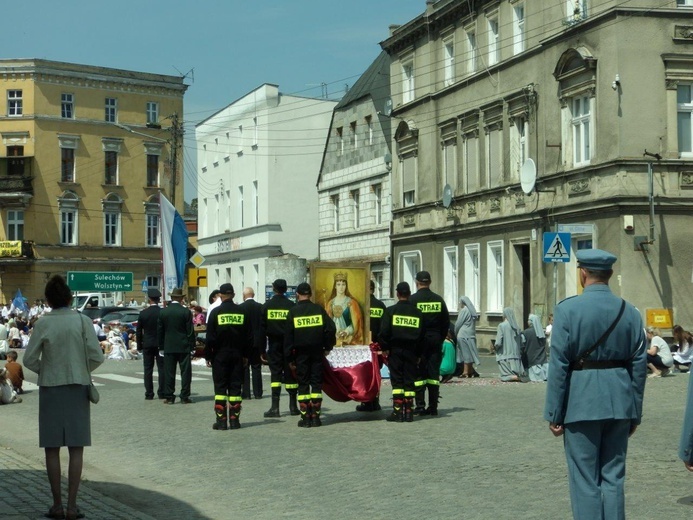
92	392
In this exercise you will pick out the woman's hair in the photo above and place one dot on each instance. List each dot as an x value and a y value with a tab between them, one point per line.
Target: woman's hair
680	334
58	292
339	277
654	331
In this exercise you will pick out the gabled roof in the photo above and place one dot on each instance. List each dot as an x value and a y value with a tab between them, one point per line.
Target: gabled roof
375	81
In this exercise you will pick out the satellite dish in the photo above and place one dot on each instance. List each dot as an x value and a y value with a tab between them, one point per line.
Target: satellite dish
528	176
387	109
447	196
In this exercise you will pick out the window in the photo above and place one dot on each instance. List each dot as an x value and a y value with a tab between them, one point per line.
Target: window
494	151
152	222
240	207
581	124
493	47
518	28
111	224
67	172
15	224
152	112
335	212
67	106
14	103
353	136
369	131
256	279
152	170
409	265
494	276
340	140
111	110
68	227
240	138
378	206
518	146
471	162
256	204
15	163
111	166
377	277
684	124
450	277
241	275
255	132
471	51
407	82
153	281
472	284
449	62
409	180
357	208
450	164
684	3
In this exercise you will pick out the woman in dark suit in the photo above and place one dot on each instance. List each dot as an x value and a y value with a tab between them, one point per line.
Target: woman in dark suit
63	351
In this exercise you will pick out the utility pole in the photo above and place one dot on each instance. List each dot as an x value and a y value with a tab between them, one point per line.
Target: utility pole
175	134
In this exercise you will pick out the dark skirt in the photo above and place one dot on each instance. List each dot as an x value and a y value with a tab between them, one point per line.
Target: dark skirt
64	416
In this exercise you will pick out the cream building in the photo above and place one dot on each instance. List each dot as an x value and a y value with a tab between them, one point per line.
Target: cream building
354	182
258	161
583	89
85	152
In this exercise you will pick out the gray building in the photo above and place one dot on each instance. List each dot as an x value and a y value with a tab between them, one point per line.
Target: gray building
517	118
354	182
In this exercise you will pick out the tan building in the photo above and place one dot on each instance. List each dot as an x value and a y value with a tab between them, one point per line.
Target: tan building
85	152
582	89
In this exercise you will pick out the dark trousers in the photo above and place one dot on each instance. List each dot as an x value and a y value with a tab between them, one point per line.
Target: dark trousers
227	373
402	366
150	357
279	365
170	362
256	380
429	366
656	360
309	365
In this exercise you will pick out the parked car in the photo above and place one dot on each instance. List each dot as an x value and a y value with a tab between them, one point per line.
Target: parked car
97	313
126	316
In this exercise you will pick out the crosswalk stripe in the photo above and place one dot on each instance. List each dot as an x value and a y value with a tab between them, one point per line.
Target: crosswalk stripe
118	377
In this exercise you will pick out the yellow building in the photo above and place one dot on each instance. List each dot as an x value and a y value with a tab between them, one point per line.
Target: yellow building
85	152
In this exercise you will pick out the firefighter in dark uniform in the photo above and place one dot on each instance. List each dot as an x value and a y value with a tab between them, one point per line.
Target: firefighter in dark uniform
273	326
229	342
310	335
376	313
436	324
402	339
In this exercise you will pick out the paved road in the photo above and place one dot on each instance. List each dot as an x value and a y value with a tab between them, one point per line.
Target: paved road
488	456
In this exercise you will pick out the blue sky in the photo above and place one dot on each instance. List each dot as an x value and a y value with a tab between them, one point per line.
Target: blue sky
232	45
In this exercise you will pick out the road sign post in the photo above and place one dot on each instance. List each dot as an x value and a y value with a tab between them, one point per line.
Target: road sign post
99	281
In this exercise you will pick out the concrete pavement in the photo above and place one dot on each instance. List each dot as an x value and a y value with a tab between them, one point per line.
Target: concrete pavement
489	455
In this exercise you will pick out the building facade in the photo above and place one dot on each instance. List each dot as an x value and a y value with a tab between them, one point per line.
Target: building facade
354	182
85	153
258	160
597	95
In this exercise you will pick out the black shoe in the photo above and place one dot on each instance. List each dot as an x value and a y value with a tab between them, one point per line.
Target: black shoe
273	412
316	422
431	411
149	398
304	423
371	406
420	411
234	424
187	400
395	417
257	397
220	426
169	401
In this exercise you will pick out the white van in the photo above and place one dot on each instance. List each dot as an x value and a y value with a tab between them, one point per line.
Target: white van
82	300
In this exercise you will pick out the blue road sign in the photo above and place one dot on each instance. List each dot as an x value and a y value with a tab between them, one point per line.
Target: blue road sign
556	247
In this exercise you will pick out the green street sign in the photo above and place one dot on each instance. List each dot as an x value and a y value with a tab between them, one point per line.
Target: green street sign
99	282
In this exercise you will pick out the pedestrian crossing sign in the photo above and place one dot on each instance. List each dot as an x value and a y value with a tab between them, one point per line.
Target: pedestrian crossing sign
556	247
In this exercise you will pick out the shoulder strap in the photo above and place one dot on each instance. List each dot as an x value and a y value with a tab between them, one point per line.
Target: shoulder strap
604	336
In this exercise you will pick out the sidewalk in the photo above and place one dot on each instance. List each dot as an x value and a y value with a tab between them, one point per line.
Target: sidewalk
25	493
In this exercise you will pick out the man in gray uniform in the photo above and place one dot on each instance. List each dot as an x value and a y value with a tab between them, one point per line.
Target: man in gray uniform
686	444
595	387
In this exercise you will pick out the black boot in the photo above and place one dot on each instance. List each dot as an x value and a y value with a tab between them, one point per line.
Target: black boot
397	410
408	413
420	402
293	407
234	413
274	409
220	411
370	406
315	406
304	421
433	395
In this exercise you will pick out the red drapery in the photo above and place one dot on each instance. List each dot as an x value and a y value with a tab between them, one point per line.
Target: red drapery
355	383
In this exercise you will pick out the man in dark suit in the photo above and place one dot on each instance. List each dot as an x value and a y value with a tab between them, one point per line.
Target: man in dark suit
253	310
148	344
176	338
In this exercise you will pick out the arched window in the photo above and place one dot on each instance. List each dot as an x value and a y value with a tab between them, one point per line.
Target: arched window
112	209
68	205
